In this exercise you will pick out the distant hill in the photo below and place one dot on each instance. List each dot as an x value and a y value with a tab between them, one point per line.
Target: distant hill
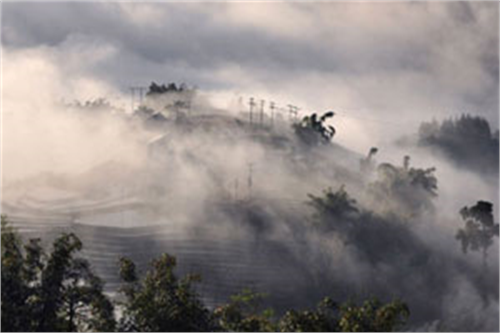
468	141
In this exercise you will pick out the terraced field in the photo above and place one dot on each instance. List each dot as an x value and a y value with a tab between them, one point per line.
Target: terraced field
109	230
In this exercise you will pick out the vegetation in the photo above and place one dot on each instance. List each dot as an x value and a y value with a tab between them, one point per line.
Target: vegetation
161	302
161	89
479	229
50	292
366	164
404	191
467	140
242	314
376	238
334	210
313	131
59	292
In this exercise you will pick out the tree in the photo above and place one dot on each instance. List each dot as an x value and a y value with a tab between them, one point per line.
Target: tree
154	88
15	290
376	238
333	210
313	131
403	190
366	164
323	319
242	314
373	316
55	292
161	302
59	292
480	228
467	140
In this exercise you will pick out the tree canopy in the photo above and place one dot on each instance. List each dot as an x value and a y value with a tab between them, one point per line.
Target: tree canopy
58	291
312	130
161	302
467	140
50	292
404	190
480	228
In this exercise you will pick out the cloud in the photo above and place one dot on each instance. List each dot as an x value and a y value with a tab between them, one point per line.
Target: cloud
367	61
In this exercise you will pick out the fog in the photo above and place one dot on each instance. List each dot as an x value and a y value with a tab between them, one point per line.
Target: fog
230	197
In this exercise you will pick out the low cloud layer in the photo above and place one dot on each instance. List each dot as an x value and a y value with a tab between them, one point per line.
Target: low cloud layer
368	61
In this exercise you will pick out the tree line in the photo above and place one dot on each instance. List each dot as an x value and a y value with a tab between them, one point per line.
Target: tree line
58	291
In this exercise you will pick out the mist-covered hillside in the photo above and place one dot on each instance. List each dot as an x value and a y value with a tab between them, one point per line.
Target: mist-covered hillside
468	141
302	150
273	204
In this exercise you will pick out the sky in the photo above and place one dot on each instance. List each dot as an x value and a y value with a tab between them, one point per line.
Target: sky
383	67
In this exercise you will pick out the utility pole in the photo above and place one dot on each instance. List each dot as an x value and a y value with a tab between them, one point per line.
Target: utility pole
271	107
252	104
140	91
292	112
262	102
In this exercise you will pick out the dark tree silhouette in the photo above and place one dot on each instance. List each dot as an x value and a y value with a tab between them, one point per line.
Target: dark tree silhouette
161	302
333	210
371	316
242	314
367	164
54	292
479	229
155	88
467	140
312	130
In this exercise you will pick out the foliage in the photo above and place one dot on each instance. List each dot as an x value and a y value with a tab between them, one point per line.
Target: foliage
366	164
313	131
333	210
404	190
467	140
54	292
161	302
323	319
98	104
161	89
373	316
479	229
376	238
242	314
15	290
59	292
